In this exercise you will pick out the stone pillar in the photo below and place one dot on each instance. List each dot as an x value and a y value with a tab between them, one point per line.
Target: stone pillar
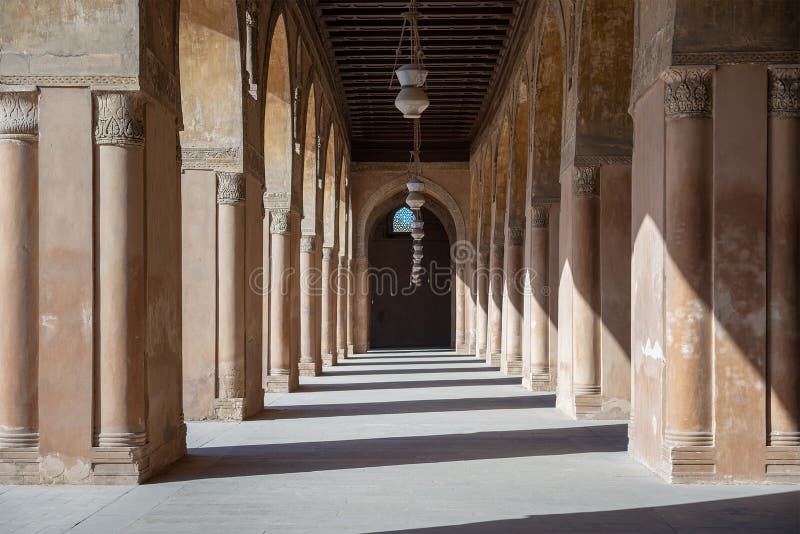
539	321
481	297
586	299
19	275
280	347
469	280
688	236
783	358
230	295
327	334
341	311
361	327
494	334
460	314
120	263
511	363
308	313
350	307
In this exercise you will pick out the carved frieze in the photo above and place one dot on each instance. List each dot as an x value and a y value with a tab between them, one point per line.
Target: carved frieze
784	92
586	181
118	119
230	188
276	200
19	114
280	221
227	159
540	215
688	91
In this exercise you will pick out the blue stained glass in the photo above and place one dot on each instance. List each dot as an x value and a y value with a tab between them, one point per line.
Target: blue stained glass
402	219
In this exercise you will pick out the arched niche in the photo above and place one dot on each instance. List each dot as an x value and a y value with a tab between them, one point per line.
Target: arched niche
278	114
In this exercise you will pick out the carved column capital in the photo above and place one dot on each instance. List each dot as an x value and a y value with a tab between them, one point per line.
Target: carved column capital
327	253
308	243
587	183
19	115
688	91
483	256
230	188
540	215
280	221
516	236
118	118
784	92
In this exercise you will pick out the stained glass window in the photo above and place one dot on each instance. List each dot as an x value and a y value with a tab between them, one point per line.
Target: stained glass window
401	220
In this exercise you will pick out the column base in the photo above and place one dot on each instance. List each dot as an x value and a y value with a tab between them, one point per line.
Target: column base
600	407
493	359
329	360
280	384
341	354
360	349
783	464
539	381
310	368
350	349
232	409
107	465
511	367
689	464
19	465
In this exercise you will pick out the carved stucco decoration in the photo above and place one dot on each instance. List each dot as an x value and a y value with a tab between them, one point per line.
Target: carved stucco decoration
688	91
118	119
784	92
586	181
230	188
516	236
307	243
19	114
280	221
540	215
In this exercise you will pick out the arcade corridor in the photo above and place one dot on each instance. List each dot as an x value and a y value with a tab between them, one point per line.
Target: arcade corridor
430	442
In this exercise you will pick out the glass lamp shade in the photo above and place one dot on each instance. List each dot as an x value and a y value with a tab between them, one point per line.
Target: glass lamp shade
415	200
418	255
412	101
417	233
417	248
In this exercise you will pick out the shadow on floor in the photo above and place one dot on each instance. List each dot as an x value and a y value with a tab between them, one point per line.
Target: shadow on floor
282	458
366	361
413	371
307	388
763	513
409	354
399	407
411	349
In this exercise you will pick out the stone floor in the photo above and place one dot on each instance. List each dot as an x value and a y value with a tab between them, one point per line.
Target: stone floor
430	442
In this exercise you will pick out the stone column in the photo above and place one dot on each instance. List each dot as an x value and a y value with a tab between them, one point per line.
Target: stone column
350	307
19	275
783	358
494	333
361	327
539	302
280	302
688	236
511	363
586	280
460	309
230	295
481	297
327	334
120	263
469	277
308	315
341	311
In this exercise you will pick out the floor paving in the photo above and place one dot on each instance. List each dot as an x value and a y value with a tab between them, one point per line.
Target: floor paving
429	442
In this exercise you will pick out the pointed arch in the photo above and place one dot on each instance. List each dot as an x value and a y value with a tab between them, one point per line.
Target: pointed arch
278	113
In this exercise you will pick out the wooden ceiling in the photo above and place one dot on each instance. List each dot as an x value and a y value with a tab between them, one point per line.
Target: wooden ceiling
464	42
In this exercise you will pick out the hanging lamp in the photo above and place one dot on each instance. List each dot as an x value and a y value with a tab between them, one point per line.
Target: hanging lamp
412	100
